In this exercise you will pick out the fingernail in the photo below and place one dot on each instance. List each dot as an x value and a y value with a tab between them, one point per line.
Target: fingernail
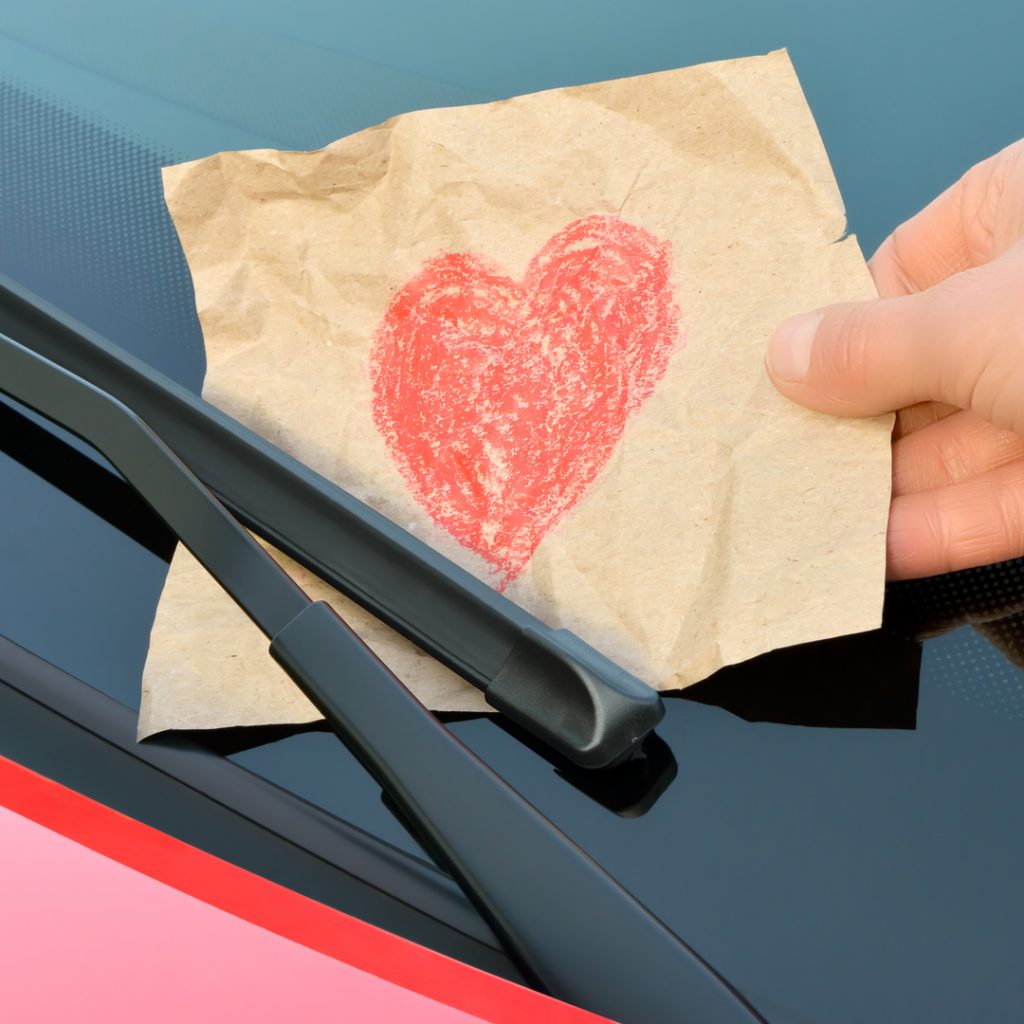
789	351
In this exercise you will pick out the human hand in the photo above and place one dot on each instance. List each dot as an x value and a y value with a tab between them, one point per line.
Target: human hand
944	345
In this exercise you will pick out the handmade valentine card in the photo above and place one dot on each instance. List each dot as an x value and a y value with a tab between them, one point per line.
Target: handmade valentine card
532	334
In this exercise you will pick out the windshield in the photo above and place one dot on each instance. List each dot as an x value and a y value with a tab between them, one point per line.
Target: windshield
852	855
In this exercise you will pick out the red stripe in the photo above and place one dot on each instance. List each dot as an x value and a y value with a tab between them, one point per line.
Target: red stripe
275	908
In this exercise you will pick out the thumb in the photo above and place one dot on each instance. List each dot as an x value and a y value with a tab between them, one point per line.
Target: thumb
960	342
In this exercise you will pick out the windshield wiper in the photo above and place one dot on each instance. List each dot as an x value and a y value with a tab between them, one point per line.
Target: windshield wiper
569	925
547	680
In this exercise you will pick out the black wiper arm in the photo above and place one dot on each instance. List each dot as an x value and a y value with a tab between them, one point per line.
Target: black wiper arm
567	923
230	555
547	680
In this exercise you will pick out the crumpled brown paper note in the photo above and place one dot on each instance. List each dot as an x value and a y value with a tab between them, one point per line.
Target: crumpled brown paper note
393	310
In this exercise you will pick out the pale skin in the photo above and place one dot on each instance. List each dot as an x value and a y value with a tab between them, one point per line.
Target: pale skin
943	346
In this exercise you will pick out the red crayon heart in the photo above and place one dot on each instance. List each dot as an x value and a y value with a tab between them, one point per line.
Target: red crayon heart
502	400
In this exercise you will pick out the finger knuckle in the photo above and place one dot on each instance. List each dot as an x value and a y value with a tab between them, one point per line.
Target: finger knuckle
957	458
936	536
864	338
1009	520
847	357
978	321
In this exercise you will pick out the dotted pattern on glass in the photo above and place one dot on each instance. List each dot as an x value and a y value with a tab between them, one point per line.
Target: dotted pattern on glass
976	621
84	225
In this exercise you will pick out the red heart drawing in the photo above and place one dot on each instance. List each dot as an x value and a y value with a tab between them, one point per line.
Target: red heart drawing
501	401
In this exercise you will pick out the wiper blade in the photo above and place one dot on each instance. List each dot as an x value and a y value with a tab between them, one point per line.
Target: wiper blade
569	925
548	681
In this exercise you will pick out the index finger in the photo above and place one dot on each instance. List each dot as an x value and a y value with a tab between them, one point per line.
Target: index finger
949	235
